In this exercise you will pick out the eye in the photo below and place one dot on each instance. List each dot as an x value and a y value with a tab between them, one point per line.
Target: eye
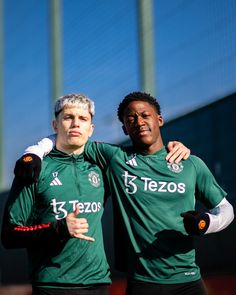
68	117
84	119
145	115
130	119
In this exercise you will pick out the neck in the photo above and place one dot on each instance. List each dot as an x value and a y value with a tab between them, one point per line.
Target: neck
70	150
149	149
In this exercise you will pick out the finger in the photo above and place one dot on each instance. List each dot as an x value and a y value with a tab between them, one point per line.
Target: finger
173	157
171	145
177	159
176	155
76	225
183	156
168	157
187	154
172	152
76	212
81	220
83	237
75	231
80	231
81	226
71	216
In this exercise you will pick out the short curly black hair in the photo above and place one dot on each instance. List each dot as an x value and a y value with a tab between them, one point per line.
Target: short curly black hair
137	96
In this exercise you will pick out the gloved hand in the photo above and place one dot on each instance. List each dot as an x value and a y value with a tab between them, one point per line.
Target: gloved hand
195	223
27	168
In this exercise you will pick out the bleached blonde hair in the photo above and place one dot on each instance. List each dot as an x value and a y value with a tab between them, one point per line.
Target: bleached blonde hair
74	100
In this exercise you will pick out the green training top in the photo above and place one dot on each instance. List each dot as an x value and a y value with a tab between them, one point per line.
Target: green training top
35	218
149	194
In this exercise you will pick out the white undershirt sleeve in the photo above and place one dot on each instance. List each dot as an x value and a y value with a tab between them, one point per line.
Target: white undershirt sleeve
43	147
220	216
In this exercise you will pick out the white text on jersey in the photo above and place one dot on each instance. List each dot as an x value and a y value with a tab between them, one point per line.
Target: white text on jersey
86	207
151	185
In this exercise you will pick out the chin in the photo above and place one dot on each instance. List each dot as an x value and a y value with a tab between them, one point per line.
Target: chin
144	140
143	144
76	143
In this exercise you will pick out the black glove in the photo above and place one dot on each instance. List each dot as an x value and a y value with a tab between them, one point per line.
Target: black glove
195	223
27	168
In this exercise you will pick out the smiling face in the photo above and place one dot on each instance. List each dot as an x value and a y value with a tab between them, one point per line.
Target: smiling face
73	126
142	123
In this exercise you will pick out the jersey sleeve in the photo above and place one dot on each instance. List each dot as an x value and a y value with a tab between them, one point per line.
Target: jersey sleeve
100	153
19	229
208	191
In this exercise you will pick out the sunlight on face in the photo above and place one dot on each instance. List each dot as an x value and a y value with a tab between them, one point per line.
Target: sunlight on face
73	127
142	123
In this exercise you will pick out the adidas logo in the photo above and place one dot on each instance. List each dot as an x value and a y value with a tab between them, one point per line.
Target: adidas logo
56	180
132	162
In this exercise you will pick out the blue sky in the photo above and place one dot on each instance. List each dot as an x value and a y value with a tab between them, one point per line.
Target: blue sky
195	61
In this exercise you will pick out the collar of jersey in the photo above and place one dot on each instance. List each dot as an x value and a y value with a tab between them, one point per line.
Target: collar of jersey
63	157
158	154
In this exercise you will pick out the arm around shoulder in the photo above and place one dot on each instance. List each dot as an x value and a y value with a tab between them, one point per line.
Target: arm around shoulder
28	167
43	147
220	217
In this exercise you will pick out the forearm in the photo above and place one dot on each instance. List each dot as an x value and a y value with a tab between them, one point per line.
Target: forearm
18	236
220	217
43	147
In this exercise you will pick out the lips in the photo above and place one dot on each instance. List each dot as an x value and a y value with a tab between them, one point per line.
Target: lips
142	131
75	133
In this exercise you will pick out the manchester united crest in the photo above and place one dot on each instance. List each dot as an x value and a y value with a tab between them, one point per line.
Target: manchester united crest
175	167
94	179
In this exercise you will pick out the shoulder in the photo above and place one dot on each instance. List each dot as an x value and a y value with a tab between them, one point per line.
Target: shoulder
106	148
100	144
196	161
46	161
199	165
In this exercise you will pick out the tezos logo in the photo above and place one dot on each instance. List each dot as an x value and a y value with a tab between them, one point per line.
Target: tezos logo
94	179
174	167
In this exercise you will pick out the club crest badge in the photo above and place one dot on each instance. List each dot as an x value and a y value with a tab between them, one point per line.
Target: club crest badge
174	167
94	179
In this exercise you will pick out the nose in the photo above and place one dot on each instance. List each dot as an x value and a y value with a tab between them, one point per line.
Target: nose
139	121
76	122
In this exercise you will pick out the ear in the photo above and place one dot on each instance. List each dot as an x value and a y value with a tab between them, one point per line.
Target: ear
54	125
160	120
91	130
124	129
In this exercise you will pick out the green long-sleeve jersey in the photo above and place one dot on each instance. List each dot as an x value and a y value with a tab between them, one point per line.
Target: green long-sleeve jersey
149	194
35	219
